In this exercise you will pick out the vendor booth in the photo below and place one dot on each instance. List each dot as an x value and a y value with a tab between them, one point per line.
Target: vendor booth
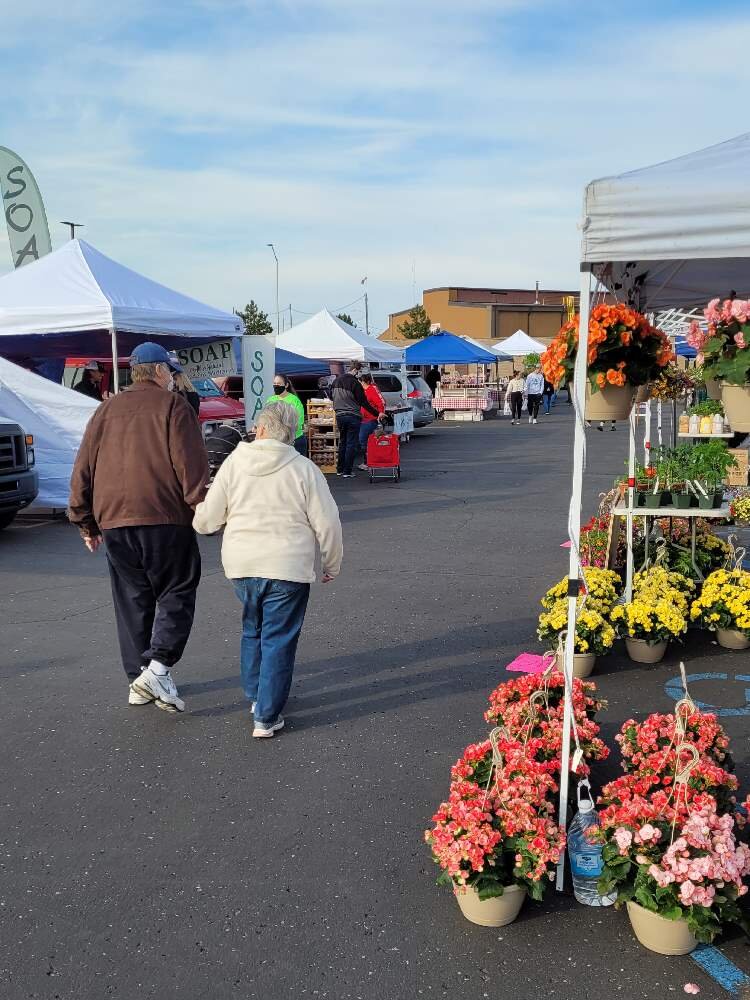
458	402
676	234
519	345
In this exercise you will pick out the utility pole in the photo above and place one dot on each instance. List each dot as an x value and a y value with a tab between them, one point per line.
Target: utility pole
367	313
73	227
278	311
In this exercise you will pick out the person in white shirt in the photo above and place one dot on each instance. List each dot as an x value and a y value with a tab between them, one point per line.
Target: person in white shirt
278	511
515	391
534	390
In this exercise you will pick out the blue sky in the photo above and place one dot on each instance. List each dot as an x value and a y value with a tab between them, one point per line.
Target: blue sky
395	139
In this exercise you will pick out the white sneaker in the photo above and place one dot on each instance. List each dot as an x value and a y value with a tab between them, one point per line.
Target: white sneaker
534	419
263	730
134	698
161	688
530	419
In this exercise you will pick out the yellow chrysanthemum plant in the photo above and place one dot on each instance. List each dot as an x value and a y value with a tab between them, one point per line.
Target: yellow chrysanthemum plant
594	634
602	587
657	583
724	602
651	621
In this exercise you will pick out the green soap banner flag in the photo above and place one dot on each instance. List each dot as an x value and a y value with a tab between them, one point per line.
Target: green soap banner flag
23	208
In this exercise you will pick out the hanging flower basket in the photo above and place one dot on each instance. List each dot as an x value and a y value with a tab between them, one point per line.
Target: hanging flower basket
495	912
736	400
611	402
643	394
583	664
665	937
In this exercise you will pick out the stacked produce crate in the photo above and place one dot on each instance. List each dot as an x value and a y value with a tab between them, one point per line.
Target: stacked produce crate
322	434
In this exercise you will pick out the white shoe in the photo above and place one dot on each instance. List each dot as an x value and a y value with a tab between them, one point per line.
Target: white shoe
161	688
134	698
263	730
534	420
530	419
363	468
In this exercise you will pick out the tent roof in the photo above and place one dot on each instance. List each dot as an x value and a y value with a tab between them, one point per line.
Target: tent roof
677	232
76	290
499	355
326	337
446	348
519	344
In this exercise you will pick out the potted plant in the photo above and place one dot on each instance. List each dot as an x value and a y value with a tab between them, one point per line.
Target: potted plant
681	460
711	463
726	351
670	848
723	606
594	635
647	626
624	352
496	839
739	508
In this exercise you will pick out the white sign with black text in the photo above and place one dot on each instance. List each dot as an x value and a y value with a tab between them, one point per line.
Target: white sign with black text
208	360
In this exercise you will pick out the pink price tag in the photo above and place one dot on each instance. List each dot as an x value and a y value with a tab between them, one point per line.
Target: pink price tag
530	663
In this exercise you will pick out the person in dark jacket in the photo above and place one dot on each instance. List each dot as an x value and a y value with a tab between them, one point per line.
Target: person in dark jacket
547	394
186	389
433	378
349	400
91	381
139	474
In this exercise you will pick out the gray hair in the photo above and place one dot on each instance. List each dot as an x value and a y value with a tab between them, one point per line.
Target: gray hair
279	420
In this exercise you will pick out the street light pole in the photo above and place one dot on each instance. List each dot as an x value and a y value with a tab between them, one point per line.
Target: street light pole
73	227
278	311
367	314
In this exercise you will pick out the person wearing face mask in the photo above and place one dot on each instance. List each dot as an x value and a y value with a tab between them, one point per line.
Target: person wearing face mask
139	474
283	392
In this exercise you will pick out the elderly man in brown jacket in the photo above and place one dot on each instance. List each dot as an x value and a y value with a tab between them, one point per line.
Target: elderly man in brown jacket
140	472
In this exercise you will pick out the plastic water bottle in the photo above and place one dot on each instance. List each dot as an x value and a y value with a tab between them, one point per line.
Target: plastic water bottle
585	858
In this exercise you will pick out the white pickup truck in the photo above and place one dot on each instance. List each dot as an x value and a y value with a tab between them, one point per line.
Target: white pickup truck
19	483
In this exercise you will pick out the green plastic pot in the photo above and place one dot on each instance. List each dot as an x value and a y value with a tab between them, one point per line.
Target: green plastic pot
653	500
682	500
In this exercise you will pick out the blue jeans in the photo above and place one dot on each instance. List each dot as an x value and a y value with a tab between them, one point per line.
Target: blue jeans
365	430
348	424
272	615
547	399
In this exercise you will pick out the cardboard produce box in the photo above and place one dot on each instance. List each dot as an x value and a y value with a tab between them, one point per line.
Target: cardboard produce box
738	475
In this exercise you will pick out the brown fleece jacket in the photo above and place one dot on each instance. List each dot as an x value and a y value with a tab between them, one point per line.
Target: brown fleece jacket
142	461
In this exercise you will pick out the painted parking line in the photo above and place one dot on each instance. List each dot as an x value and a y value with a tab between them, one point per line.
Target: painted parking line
674	689
719	968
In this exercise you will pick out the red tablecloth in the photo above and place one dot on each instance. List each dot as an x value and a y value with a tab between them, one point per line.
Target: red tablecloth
489	400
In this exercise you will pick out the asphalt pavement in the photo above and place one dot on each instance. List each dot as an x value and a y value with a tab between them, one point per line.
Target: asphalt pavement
149	855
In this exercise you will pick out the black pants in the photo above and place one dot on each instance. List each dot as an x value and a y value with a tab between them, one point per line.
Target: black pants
155	571
533	401
516	405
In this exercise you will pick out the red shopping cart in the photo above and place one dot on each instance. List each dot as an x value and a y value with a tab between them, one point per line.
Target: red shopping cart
383	455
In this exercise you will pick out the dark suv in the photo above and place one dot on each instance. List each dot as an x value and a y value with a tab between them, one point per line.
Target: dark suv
19	483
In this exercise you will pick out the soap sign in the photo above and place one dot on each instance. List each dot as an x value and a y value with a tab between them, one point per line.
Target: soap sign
208	360
258	364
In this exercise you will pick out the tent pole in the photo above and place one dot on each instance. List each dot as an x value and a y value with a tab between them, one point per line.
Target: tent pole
574	531
631	498
115	363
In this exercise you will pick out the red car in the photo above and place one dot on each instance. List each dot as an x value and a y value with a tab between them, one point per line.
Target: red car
216	407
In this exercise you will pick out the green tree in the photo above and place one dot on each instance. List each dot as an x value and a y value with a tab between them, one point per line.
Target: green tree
345	318
256	321
417	325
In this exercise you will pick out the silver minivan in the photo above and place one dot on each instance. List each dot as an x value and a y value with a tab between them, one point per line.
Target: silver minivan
418	392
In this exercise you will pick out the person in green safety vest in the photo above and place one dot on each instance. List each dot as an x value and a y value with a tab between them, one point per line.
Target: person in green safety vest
283	392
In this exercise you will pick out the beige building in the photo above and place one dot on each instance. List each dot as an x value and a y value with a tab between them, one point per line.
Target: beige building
489	315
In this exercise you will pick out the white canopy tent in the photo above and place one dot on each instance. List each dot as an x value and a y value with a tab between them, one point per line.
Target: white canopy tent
518	345
76	300
325	337
501	355
673	235
57	418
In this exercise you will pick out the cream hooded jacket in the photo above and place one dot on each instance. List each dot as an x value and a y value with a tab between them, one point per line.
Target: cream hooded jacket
276	506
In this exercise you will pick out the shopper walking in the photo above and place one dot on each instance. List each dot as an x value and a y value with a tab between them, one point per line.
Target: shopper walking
515	390
369	424
534	390
433	378
283	392
349	400
548	394
276	508
140	471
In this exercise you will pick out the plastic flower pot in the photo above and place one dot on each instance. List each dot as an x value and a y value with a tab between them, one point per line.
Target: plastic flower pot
731	638
682	500
643	394
736	400
495	912
653	500
646	651
611	402
713	388
665	937
711	502
583	664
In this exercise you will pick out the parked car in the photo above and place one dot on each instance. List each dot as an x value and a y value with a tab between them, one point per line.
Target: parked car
418	393
19	482
216	407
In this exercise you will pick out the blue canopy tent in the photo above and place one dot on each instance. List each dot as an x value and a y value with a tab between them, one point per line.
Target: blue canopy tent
287	363
445	348
684	350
